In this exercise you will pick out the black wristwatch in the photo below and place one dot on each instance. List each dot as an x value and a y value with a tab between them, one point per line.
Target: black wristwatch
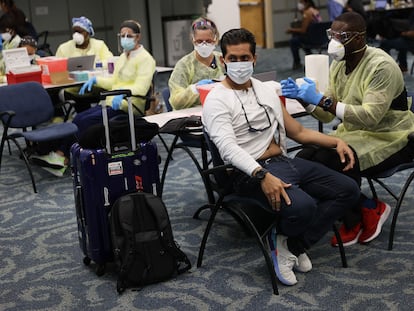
260	174
327	102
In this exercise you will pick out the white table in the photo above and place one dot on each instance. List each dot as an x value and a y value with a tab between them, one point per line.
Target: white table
293	107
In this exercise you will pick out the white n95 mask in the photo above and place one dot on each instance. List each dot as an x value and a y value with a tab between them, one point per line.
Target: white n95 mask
300	6
6	36
204	49
239	72
336	50
78	38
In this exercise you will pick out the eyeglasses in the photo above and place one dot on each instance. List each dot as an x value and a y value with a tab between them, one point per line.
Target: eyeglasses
251	128
199	42
126	35
342	36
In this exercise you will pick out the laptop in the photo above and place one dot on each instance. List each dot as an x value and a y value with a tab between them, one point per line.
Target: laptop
81	63
380	4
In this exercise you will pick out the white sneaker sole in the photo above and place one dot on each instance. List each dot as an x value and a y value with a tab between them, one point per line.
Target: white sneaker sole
276	265
382	220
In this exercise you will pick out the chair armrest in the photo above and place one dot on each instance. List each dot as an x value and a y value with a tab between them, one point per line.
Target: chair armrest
218	179
10	114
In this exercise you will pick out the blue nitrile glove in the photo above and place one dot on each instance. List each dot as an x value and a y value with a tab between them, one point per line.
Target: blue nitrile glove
117	101
308	93
1	44
204	81
289	88
87	85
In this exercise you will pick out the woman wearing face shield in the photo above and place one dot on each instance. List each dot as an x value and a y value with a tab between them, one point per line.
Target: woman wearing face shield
198	67
81	44
134	70
366	91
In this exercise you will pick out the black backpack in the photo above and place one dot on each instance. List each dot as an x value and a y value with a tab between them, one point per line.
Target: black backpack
143	242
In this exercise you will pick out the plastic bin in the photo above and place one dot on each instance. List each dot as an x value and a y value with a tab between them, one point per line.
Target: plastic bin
13	78
52	64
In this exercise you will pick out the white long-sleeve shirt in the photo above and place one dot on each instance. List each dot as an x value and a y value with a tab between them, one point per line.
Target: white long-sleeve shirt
225	122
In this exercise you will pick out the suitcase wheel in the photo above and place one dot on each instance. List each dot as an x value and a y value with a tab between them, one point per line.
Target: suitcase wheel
86	261
100	270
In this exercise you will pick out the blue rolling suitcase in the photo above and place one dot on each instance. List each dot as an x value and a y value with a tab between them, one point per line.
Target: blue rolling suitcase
101	176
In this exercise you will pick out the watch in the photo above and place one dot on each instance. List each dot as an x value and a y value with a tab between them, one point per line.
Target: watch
327	103
260	174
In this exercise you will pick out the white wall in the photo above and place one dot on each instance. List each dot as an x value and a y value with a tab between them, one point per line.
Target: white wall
225	14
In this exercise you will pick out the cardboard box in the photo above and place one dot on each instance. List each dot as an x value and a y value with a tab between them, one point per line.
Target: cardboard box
60	77
13	78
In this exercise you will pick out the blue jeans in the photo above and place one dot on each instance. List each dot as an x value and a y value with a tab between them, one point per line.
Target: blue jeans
319	196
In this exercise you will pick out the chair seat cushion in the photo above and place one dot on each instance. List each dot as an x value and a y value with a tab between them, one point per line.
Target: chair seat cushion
51	132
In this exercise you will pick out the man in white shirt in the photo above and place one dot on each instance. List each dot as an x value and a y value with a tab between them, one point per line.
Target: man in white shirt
246	121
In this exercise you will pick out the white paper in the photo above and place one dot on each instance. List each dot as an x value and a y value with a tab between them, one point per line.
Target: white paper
317	68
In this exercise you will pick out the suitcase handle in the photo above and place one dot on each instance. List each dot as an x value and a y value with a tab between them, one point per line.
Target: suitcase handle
103	95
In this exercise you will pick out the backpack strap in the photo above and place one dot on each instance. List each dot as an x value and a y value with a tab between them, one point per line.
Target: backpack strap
160	214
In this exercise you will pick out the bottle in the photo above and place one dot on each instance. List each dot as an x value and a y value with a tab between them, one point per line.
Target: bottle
98	65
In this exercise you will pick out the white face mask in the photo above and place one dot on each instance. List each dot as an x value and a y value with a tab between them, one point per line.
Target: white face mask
204	49
336	50
301	6
78	38
6	36
239	72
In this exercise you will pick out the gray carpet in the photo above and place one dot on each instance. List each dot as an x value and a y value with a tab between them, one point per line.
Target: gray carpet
41	264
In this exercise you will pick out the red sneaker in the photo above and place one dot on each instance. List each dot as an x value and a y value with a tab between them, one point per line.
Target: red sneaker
348	236
372	220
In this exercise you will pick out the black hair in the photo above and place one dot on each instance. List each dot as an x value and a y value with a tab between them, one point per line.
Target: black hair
134	25
237	36
354	20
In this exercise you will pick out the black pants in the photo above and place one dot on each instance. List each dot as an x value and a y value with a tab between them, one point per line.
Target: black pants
330	158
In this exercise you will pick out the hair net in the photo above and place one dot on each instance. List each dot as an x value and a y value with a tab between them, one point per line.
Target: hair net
83	23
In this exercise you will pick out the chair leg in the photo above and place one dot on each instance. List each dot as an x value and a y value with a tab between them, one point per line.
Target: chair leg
397	210
197	213
340	246
207	232
26	161
167	162
261	241
210	194
164	143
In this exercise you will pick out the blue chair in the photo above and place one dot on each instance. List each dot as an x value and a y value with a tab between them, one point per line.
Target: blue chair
381	177
27	107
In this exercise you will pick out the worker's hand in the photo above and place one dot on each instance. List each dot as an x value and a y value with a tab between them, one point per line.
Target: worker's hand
289	88
87	85
308	93
117	101
204	81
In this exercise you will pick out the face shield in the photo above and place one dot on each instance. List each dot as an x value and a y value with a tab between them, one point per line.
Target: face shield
126	42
